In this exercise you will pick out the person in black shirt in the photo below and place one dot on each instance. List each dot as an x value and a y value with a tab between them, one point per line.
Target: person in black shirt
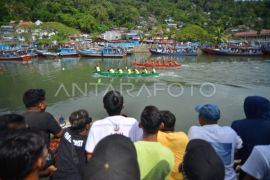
71	155
36	117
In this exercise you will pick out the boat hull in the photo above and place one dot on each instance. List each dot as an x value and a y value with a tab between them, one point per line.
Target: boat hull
266	52
218	52
108	74
69	55
47	54
16	58
101	55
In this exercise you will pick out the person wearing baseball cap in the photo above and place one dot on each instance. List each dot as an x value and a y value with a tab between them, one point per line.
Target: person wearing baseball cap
222	138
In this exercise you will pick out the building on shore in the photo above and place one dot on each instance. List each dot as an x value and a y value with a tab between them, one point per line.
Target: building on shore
263	35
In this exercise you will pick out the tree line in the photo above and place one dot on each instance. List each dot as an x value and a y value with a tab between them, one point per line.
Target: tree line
95	16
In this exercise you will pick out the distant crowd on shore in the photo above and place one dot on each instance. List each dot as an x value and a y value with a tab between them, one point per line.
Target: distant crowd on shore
34	146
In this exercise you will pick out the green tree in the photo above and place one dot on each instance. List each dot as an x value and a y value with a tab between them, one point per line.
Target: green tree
192	33
218	35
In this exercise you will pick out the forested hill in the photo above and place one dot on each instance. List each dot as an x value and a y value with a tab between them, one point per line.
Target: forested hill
99	15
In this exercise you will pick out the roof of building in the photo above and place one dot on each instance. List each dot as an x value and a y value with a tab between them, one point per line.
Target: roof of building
252	33
247	33
25	23
265	32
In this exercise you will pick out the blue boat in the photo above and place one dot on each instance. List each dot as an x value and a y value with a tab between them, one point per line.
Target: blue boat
104	53
234	51
177	51
47	54
14	56
68	52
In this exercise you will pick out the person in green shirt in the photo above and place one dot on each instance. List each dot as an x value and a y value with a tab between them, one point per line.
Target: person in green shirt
155	160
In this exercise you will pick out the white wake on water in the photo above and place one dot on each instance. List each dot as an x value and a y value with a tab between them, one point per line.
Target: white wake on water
169	74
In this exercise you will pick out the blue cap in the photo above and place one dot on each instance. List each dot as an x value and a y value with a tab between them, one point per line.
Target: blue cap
209	111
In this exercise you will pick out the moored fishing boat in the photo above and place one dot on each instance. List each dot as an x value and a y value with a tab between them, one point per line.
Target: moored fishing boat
234	51
125	74
104	53
266	49
178	51
14	56
32	53
47	54
68	52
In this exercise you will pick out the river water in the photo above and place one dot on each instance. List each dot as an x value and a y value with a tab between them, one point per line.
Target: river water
70	85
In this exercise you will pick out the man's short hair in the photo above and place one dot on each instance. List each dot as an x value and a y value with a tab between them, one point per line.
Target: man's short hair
79	119
113	103
168	119
151	119
11	121
33	97
19	152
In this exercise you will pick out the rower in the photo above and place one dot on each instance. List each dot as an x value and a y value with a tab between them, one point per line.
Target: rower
136	71
129	71
120	70
97	68
145	71
111	70
154	71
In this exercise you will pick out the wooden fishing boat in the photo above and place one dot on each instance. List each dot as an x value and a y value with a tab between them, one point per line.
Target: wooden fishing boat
14	56
47	54
125	74
157	65
68	52
179	51
266	50
234	51
103	53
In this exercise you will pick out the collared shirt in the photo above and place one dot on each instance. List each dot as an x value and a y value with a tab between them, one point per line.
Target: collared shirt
223	139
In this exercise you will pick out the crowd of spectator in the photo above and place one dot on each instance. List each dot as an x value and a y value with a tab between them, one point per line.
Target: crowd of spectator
119	147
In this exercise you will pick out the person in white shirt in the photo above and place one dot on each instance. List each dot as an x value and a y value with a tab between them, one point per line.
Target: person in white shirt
223	139
115	123
257	165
